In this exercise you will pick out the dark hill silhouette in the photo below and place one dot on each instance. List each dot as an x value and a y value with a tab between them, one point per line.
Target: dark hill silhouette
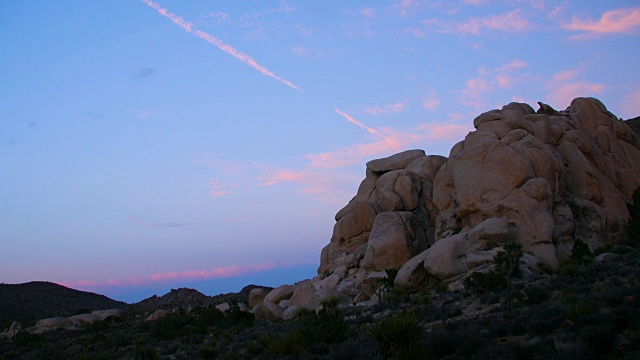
38	300
185	297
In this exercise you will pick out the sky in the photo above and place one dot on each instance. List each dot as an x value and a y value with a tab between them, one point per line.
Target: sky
147	145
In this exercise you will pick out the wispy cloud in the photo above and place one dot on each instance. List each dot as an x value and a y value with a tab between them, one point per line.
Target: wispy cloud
490	80
405	7
143	73
400	106
218	187
619	21
565	87
368	12
325	177
172	276
431	102
510	22
389	140
513	21
188	27
170	224
630	105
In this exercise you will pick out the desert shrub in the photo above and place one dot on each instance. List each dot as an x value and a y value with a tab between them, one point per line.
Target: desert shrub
633	225
169	327
481	283
546	268
537	295
25	339
207	352
328	326
235	316
546	319
581	252
93	356
352	350
144	352
599	339
441	343
398	335
572	268
575	311
288	344
253	347
398	294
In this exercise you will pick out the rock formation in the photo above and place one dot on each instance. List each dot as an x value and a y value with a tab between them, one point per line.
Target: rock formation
545	179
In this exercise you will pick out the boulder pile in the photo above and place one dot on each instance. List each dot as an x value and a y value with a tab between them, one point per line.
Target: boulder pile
546	180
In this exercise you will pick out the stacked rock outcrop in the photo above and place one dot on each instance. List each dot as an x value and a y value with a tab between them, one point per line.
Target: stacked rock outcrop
545	179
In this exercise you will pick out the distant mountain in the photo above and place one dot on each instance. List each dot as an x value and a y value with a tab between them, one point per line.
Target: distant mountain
38	300
184	297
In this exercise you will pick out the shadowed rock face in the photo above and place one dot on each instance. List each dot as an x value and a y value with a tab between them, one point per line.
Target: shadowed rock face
544	180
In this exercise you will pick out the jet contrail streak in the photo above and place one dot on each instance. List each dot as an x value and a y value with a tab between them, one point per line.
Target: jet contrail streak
188	27
356	122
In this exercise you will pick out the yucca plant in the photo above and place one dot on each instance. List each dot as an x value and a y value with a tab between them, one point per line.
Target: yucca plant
397	335
579	309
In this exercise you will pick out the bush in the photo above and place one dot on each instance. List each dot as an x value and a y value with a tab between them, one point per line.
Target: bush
481	283
169	327
578	310
24	338
581	252
537	295
399	335
288	344
207	352
633	226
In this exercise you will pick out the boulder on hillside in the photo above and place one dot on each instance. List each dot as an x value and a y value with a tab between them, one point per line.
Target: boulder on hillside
257	295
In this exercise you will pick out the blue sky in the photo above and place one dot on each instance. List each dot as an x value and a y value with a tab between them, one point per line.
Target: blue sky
147	145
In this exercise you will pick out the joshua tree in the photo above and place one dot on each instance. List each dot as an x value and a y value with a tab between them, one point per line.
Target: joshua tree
513	252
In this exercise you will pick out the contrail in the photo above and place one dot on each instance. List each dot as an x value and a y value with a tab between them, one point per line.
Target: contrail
358	123
188	27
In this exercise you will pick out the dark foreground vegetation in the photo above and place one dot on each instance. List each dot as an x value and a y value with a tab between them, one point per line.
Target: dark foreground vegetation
587	309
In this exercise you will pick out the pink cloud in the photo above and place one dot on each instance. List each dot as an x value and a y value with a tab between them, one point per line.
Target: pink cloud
562	95
274	177
416	32
188	27
171	276
431	102
619	21
368	12
390	140
406	6
500	77
566	75
386	109
630	105
564	88
299	50
219	187
510	22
